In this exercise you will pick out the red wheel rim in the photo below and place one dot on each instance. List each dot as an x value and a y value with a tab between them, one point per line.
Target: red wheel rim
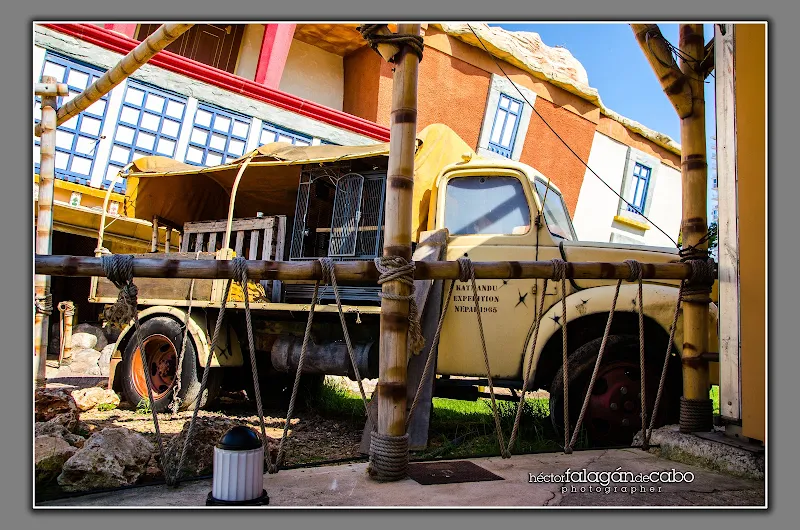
614	412
162	359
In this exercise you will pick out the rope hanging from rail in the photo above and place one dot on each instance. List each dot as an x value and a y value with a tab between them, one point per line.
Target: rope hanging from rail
373	38
119	270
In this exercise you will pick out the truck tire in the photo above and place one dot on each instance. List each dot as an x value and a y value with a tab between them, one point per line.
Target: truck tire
613	416
161	339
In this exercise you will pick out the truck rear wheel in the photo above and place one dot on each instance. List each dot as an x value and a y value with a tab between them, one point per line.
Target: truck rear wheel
161	339
613	415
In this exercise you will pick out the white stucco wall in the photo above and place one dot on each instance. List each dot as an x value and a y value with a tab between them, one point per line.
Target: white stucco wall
597	205
250	50
314	74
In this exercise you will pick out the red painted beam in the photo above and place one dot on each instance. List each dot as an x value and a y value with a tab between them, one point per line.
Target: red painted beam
202	72
274	51
128	30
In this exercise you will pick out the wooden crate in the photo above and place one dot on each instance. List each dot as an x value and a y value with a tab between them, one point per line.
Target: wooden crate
255	238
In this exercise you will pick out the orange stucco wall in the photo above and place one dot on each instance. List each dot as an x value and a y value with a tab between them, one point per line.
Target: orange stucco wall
545	152
620	133
362	83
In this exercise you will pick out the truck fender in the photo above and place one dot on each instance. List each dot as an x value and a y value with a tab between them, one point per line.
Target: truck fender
659	305
227	354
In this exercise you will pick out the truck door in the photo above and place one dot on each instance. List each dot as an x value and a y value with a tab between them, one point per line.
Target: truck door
490	214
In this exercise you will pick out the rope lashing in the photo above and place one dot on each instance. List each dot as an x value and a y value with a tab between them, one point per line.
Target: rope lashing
395	268
466	272
388	459
704	272
118	268
636	275
560	273
43	304
414	42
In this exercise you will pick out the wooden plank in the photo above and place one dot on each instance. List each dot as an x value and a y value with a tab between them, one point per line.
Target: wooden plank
280	237
154	237
253	244
730	348
239	242
198	243
212	242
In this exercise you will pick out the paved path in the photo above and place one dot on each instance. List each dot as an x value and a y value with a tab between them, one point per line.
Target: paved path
349	486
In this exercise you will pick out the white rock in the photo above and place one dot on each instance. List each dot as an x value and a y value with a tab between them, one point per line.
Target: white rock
83	341
89	398
105	359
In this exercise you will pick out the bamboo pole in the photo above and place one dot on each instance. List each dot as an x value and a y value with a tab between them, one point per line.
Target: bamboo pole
393	362
354	271
44	229
684	86
142	53
227	240
695	225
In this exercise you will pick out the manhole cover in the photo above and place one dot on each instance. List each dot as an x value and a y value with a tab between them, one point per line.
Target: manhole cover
452	472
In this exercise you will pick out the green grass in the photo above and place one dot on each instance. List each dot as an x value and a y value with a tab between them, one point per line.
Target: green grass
458	428
713	394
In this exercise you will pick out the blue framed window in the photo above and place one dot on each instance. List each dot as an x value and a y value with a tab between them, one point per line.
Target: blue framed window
76	139
272	133
218	136
641	181
505	126
149	124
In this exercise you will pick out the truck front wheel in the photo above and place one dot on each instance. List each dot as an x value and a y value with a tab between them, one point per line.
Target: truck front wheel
161	339
613	415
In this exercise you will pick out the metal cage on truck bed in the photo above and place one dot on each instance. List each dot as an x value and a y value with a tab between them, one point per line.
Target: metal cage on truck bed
339	214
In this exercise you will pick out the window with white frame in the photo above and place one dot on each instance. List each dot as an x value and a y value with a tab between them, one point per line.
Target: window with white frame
640	185
149	123
506	119
505	126
218	136
77	138
272	133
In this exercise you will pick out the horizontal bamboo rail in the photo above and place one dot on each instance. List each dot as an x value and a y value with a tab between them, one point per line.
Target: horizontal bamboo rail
138	56
352	271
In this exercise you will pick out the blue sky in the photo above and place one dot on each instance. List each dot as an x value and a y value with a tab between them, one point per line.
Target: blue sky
618	69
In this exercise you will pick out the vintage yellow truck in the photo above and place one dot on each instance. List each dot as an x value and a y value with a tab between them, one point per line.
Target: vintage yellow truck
301	203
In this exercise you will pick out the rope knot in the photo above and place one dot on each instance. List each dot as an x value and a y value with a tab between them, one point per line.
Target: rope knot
327	269
371	35
43	304
239	265
395	268
635	268
466	270
559	269
118	268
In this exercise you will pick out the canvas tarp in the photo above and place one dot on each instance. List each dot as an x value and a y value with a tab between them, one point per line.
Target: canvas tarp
178	192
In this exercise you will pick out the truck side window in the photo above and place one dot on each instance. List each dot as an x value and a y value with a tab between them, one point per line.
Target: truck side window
555	212
486	205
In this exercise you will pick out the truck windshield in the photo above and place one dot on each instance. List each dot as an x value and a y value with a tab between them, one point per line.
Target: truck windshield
555	212
486	205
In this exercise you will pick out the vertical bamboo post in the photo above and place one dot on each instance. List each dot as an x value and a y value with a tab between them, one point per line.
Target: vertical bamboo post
684	86
397	240
154	236
44	229
67	310
694	227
